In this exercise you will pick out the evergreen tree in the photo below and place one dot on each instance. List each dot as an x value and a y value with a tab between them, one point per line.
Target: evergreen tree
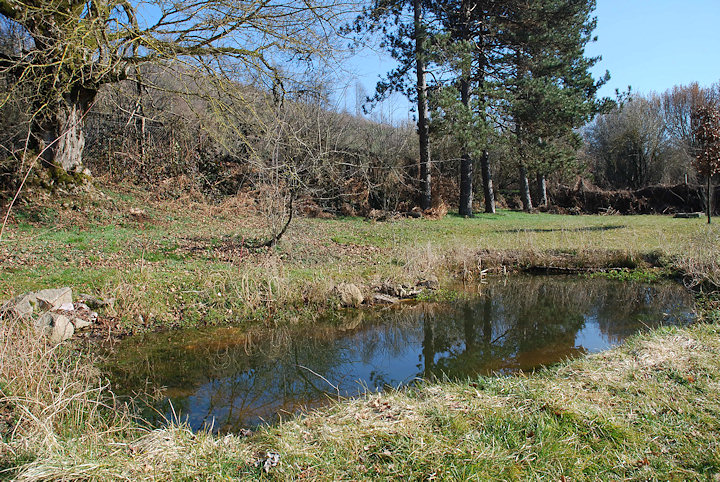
551	91
406	36
470	50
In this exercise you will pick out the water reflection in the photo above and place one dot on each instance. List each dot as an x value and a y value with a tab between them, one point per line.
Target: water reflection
232	379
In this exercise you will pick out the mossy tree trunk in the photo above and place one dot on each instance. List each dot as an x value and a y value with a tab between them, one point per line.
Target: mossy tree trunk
58	137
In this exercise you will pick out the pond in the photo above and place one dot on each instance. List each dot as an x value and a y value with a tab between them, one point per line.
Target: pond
227	379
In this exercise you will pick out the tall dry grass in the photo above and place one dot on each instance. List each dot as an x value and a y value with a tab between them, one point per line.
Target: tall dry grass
52	398
699	261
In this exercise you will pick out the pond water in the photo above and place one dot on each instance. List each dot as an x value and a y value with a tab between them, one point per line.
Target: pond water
229	379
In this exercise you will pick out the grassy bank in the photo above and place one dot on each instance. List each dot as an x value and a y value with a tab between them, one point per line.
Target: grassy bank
648	409
181	263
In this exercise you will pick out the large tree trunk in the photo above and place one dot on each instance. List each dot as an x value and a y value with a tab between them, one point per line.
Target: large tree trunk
525	190
487	183
542	189
59	138
466	163
466	188
422	102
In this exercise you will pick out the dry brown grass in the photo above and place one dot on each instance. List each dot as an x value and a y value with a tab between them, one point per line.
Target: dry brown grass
51	393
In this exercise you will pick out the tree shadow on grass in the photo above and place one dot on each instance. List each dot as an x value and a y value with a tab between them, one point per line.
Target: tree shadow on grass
550	230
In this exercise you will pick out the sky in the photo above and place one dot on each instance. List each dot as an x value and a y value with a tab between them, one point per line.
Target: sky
650	45
653	45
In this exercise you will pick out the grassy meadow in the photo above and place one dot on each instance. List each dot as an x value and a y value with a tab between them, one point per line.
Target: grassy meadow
648	409
182	263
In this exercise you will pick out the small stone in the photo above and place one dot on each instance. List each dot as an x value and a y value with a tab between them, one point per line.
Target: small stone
431	282
80	324
67	307
350	295
95	303
53	299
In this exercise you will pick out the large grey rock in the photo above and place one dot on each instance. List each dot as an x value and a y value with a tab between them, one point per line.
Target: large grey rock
350	295
20	306
53	298
58	327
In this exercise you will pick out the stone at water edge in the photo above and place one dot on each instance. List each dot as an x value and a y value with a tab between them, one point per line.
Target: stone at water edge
350	295
380	298
431	282
53	299
58	327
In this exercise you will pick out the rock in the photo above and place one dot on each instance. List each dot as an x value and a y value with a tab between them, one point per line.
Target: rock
350	295
53	299
268	460
382	299
431	282
399	291
20	306
58	327
79	323
137	212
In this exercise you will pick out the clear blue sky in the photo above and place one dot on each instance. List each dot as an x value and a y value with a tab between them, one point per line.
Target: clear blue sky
650	45
655	44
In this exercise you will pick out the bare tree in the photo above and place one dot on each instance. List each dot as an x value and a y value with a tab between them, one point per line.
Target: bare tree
706	129
629	145
66	50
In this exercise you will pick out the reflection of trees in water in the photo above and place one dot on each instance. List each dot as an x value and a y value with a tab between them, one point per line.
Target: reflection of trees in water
260	374
498	327
533	321
236	377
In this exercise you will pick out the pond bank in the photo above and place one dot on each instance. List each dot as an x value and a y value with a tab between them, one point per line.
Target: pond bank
648	409
227	379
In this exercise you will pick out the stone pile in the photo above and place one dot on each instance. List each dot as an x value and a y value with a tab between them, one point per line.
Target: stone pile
54	311
387	293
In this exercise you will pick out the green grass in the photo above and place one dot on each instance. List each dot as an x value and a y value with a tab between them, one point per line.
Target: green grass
649	409
98	246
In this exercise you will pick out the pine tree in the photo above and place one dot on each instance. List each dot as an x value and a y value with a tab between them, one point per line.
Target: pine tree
551	91
406	37
469	51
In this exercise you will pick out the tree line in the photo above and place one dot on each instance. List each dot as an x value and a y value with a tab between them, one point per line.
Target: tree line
509	75
235	95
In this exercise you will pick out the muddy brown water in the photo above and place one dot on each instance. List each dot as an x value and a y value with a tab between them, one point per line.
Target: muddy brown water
227	379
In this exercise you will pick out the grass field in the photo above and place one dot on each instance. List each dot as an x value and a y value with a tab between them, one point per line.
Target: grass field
182	263
646	410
